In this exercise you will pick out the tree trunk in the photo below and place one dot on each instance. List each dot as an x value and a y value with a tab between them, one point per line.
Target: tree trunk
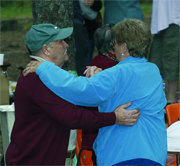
60	13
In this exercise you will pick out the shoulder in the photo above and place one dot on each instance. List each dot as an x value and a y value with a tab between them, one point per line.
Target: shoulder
33	87
30	84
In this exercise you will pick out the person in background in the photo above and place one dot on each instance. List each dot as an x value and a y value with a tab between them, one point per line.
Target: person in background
104	42
43	120
93	19
132	79
165	49
81	39
86	20
118	10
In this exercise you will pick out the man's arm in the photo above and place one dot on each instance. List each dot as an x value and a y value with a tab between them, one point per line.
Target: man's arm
74	117
68	114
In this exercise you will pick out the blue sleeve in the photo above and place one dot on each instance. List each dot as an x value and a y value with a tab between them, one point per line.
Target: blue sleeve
77	90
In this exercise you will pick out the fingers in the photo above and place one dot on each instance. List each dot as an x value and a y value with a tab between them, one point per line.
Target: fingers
32	63
86	73
125	105
28	70
133	119
133	116
91	70
134	111
127	122
25	72
126	117
136	116
97	70
31	67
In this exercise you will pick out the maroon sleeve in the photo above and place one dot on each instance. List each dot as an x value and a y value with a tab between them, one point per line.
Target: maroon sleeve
64	112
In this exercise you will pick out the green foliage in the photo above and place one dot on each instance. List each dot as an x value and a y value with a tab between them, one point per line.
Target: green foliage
73	72
147	8
10	9
19	3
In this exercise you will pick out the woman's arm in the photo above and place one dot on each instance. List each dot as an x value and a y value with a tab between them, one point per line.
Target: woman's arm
77	90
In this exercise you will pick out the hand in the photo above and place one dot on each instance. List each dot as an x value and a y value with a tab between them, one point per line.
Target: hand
126	117
88	3
31	67
91	70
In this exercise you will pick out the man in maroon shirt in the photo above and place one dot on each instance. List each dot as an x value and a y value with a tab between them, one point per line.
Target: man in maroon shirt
43	120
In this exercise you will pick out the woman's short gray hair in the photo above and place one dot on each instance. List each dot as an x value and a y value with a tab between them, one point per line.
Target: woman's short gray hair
104	39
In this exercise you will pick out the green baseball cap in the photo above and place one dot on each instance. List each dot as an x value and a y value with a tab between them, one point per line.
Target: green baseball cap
42	34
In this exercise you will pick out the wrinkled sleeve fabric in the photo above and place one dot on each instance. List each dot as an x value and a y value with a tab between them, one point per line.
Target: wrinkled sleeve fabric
45	104
69	115
78	90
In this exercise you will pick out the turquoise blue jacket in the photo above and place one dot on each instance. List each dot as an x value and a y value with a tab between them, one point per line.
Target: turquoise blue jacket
133	79
118	10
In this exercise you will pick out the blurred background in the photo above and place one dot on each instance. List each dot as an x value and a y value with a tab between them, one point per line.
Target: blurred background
15	20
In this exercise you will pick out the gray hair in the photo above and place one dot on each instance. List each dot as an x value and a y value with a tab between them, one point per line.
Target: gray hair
37	53
104	39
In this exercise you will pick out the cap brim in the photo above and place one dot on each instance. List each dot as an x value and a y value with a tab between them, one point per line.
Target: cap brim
64	33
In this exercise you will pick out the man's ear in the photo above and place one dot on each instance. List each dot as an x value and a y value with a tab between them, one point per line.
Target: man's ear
45	50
